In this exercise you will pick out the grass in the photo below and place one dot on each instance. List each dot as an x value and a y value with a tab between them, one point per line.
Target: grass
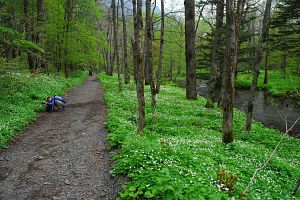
180	152
22	95
277	86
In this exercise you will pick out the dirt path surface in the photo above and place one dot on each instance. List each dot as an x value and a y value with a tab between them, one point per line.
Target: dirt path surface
63	155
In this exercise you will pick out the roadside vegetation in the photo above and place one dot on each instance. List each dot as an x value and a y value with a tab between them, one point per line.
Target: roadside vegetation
22	95
180	152
277	86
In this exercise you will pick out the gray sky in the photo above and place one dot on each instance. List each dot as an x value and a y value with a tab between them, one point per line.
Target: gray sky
172	4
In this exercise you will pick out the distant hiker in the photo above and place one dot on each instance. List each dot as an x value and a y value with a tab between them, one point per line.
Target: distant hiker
90	72
55	103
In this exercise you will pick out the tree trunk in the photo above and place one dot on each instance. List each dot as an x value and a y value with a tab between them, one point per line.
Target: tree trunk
111	45
134	59
134	41
284	65
239	17
190	54
266	67
261	44
212	87
148	51
68	18
161	46
28	34
140	67
228	73
171	70
146	60
40	20
116	46
127	70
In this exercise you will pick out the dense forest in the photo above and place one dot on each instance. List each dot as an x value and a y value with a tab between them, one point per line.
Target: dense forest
173	142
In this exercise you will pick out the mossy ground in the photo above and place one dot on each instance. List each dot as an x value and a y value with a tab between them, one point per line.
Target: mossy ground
22	95
180	152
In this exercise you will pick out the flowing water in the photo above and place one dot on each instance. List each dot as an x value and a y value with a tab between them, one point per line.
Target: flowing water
271	111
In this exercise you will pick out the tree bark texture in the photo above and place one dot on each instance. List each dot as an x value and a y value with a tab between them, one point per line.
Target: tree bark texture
41	15
148	52
228	73
127	69
212	87
116	46
171	69
266	67
146	59
28	33
239	17
190	54
284	65
111	45
261	44
140	67
161	46
134	41
68	18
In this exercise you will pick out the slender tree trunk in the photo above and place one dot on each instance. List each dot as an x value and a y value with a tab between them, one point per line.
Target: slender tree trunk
148	52
114	17
68	18
134	58
284	65
134	41
238	21
264	36
28	34
266	67
228	73
214	55
127	69
42	62
58	45
161	46
140	67
57	54
237	18
171	69
190	53
111	45
146	65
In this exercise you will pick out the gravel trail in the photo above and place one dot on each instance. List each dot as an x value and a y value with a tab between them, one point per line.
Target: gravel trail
62	155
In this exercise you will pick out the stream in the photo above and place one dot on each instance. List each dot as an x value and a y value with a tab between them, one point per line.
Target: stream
268	110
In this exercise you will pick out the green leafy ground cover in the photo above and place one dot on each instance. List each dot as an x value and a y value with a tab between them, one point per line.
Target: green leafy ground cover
180	152
277	86
22	95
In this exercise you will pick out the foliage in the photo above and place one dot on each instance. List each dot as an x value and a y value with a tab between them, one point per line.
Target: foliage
13	38
285	22
277	86
180	151
22	95
226	179
48	38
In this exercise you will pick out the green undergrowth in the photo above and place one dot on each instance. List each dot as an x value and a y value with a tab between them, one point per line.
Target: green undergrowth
22	95
277	86
180	152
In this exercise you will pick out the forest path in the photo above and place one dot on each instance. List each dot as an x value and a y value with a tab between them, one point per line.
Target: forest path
62	155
